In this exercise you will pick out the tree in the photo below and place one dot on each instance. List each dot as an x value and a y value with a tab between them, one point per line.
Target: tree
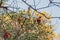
27	28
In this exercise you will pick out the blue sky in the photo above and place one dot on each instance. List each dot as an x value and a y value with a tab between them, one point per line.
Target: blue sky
54	10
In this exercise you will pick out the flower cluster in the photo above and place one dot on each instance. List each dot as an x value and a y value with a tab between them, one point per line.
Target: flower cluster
21	27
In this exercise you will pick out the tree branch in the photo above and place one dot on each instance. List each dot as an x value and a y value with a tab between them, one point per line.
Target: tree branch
34	9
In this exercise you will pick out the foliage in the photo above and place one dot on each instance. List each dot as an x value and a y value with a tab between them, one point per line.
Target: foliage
23	26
